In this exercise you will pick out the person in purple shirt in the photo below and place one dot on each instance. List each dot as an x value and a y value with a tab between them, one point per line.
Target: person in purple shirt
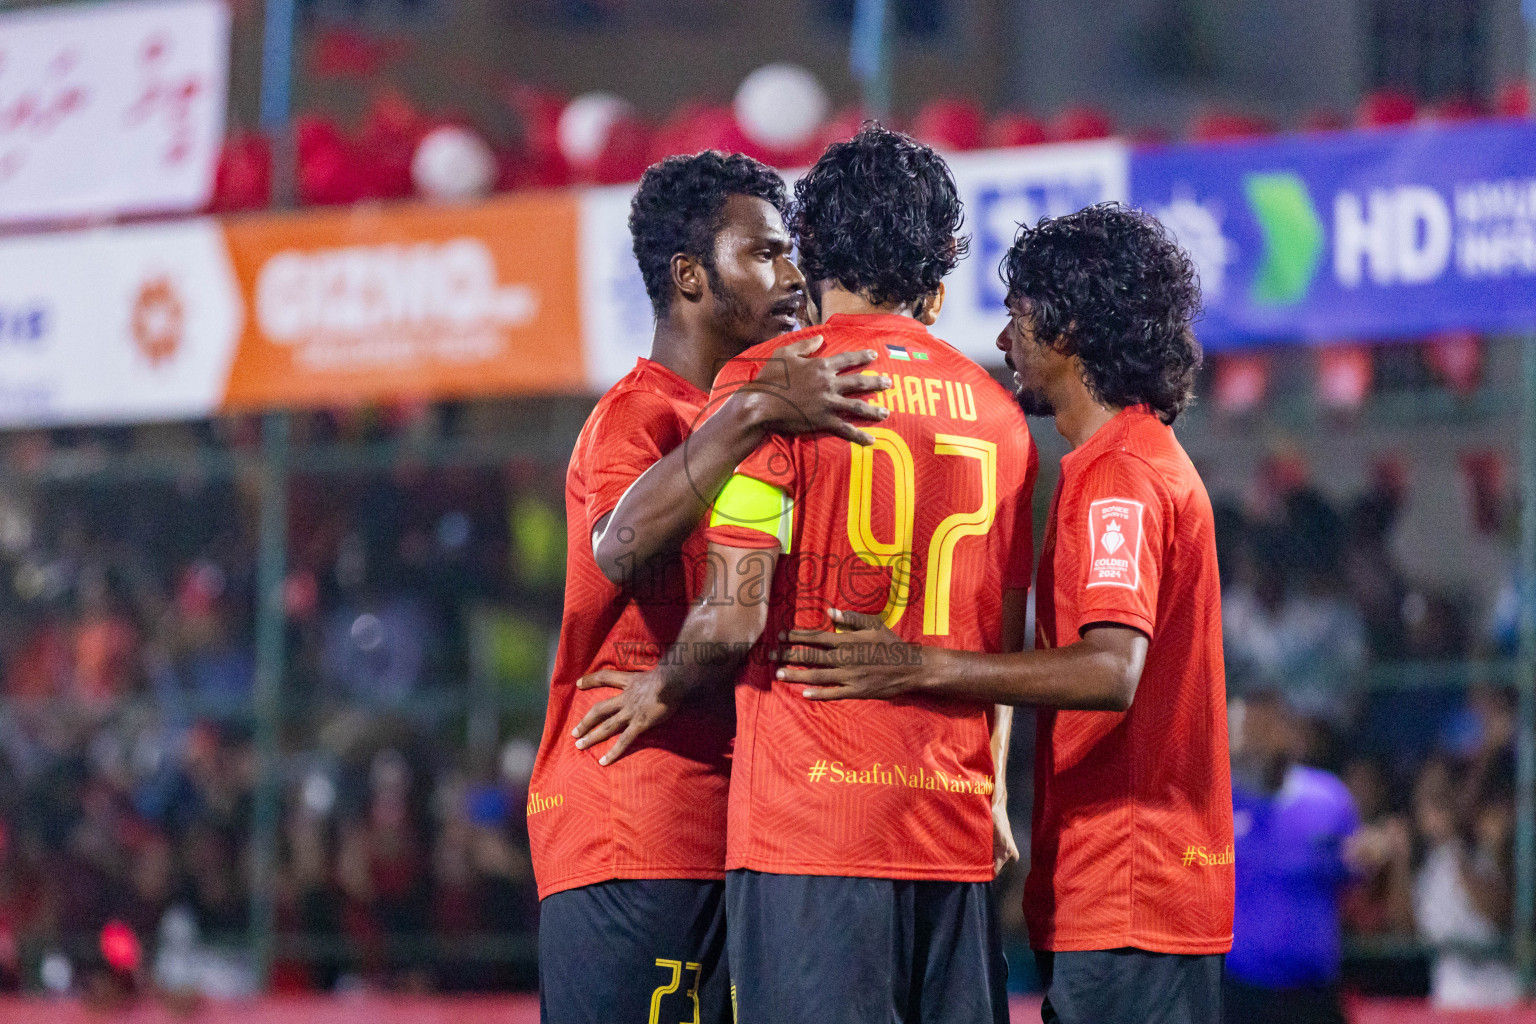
1292	827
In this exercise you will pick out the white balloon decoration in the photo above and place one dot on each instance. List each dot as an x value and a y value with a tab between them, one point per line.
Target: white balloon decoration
781	106
584	124
453	164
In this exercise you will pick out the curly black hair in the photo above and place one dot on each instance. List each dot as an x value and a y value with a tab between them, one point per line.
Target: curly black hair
1111	286
680	208
878	214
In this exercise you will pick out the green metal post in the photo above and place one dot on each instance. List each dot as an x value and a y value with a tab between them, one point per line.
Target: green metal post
272	565
271	643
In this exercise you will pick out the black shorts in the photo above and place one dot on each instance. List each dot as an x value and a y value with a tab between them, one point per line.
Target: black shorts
641	950
864	951
1130	986
1250	1004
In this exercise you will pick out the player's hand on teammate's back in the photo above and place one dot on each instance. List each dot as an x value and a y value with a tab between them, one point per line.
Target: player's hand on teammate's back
643	704
802	393
866	661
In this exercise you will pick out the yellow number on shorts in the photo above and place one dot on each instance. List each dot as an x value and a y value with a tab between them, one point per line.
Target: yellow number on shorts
693	992
676	967
896	554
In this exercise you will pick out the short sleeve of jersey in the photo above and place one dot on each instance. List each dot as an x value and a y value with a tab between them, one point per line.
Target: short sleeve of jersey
636	429
1021	555
1119	508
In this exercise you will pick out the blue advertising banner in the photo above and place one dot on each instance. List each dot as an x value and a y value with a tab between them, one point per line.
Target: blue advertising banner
1367	235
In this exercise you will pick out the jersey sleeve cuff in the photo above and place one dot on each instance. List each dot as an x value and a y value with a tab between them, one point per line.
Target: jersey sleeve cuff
741	537
1117	616
600	509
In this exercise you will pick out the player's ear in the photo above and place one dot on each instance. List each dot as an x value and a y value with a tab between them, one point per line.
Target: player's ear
927	312
688	277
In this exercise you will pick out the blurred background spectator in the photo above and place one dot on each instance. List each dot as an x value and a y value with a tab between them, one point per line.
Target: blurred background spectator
1293	827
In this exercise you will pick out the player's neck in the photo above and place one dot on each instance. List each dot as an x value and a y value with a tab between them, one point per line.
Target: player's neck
1079	415
837	300
687	352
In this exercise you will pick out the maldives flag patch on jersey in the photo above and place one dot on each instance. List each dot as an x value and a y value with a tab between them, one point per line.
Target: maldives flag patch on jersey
1114	541
905	354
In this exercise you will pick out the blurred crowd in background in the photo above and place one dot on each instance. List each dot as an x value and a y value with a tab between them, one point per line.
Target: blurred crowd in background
127	756
423	604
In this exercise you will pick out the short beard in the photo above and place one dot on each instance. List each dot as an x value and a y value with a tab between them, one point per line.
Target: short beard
732	314
1034	403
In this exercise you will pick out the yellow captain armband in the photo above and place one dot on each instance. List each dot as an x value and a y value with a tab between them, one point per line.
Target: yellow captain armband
751	503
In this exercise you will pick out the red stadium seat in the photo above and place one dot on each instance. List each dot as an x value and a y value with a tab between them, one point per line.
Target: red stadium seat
626	154
391	129
329	170
1219	125
539	164
244	177
952	124
1513	99
695	127
1081	124
1385	108
1015	130
1456	357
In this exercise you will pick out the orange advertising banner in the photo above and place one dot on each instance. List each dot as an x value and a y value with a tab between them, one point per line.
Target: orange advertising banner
372	303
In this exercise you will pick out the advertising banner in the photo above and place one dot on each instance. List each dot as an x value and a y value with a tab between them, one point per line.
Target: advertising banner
615	311
1354	236
129	324
319	309
1340	237
413	301
1001	189
110	109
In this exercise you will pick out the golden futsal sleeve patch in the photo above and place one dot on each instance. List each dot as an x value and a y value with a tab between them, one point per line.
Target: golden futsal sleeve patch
1114	540
749	502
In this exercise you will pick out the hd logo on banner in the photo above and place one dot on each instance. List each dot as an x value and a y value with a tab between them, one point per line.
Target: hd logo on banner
1369	235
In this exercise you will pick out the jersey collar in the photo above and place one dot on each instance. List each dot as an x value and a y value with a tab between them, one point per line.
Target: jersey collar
877	322
1111	435
669	382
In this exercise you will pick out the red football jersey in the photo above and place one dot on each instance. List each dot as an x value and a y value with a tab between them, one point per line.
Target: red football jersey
1132	836
660	812
928	528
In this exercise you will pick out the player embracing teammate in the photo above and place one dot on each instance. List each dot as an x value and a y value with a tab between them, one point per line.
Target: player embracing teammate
862	834
629	859
1129	898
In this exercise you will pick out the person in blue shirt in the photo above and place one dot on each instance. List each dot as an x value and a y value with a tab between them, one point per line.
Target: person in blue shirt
1292	828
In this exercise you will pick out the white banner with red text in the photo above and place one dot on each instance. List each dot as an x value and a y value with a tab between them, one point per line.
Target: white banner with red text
111	109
